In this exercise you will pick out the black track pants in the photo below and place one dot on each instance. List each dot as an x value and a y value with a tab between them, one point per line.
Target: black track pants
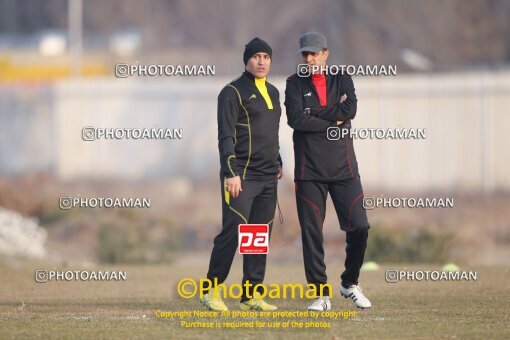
347	196
255	205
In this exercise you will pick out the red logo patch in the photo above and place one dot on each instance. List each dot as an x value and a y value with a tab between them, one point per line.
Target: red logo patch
253	238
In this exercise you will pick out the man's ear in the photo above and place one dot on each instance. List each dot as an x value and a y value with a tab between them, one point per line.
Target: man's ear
326	54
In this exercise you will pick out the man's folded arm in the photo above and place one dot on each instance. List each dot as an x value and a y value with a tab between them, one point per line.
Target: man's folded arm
340	111
297	118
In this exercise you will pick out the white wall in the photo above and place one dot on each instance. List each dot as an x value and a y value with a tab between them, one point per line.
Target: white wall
466	117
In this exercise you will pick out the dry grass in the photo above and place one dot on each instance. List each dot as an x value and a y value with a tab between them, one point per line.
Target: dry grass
116	309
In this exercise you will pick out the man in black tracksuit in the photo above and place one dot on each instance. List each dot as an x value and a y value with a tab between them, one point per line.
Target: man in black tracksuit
248	122
315	103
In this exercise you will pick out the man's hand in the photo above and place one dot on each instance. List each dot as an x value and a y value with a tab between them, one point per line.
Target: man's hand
233	186
342	99
280	173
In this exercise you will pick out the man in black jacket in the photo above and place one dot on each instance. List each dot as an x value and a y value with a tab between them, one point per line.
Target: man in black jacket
317	102
248	122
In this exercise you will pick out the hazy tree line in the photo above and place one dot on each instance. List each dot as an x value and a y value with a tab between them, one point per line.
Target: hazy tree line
453	34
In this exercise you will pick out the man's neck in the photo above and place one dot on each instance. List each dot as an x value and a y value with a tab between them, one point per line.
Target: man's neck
253	76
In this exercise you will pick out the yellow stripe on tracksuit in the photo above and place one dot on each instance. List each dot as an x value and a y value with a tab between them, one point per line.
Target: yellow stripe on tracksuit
227	200
228	163
261	86
227	194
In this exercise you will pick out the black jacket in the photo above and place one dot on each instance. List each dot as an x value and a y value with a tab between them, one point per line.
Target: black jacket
317	157
248	130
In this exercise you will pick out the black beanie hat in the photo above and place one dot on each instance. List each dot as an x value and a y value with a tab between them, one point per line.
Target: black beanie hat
256	45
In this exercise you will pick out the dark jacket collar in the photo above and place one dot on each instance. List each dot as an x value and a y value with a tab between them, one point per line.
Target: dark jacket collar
248	75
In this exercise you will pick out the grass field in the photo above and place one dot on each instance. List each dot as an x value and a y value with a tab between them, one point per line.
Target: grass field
126	309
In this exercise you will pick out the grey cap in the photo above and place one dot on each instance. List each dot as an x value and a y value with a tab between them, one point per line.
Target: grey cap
312	42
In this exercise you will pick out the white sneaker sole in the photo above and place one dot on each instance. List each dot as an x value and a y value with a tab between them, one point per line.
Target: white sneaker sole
348	297
318	310
323	309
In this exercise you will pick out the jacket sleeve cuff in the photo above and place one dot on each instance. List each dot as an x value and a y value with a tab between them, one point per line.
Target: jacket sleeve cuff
232	170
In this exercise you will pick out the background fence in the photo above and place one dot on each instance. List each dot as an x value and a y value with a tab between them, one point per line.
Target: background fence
463	114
